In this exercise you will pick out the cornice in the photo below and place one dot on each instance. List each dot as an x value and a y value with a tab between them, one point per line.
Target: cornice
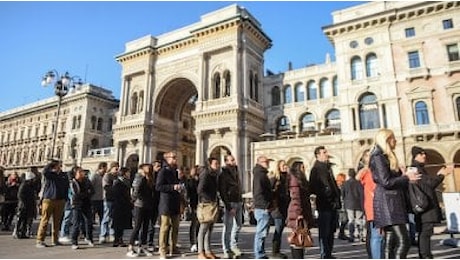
388	17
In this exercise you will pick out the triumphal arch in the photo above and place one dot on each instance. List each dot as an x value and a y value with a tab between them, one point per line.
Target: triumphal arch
196	90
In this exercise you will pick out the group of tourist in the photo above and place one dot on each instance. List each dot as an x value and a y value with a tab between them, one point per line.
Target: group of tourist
160	192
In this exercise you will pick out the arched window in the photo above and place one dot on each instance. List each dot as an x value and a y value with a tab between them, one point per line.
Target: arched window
276	96
283	124
457	102
141	101
109	125
227	83
100	121
93	122
335	88
287	94
216	93
307	122
356	68
78	121
368	111
324	88
371	65
421	113
299	92
73	148
134	103
333	121
94	143
74	122
312	90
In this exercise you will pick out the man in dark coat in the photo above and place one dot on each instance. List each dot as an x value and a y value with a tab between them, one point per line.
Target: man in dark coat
169	206
327	200
263	197
352	194
426	220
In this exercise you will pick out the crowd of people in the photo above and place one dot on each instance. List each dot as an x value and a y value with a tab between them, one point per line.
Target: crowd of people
372	204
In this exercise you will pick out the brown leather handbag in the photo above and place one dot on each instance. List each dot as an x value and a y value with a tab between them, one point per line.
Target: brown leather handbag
300	236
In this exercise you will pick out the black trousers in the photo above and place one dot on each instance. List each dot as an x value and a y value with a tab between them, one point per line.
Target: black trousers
142	218
425	231
397	242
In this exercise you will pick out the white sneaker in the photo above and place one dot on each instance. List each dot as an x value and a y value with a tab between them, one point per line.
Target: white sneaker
64	239
194	248
90	244
75	247
102	240
131	253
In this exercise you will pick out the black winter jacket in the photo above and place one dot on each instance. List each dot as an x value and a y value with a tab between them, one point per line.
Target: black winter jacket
169	198
262	189
81	193
143	194
207	186
324	186
428	184
229	186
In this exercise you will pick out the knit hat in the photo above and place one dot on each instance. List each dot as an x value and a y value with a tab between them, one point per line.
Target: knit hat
30	176
417	150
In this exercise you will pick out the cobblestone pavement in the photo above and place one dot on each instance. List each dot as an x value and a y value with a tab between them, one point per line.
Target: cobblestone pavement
25	248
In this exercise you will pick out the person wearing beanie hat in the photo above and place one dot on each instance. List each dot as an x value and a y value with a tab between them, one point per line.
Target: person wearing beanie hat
417	150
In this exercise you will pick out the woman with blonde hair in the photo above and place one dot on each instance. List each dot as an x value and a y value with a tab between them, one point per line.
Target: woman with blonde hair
278	181
390	210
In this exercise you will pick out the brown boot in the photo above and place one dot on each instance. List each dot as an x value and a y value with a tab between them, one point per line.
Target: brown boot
202	256
212	256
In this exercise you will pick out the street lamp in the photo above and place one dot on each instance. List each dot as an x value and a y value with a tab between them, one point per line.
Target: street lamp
61	88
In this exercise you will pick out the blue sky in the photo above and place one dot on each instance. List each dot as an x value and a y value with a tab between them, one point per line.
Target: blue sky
84	38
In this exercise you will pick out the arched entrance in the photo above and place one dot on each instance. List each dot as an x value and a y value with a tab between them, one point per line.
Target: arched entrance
220	152
175	126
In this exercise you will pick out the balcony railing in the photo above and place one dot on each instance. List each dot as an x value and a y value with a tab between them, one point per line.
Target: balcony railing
101	152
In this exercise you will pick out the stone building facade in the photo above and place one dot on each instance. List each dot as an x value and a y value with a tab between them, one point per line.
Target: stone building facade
201	91
85	123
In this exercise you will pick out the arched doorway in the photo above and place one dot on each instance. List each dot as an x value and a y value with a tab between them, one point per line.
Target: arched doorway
220	152
175	125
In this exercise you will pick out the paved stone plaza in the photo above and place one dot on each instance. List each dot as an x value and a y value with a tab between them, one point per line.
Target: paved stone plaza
25	248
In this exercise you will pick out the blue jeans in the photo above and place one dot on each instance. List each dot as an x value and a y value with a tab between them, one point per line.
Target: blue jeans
263	223
376	241
279	227
66	222
232	226
106	225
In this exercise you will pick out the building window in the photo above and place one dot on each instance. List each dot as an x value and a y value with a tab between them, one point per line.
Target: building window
307	123
251	85
109	125
94	143
312	90
216	93
141	101
287	94
324	88
421	113
356	68
371	65
410	32
335	87
299	93
133	103
452	52
256	87
447	24
457	102
227	83
283	125
276	96
333	122
368	111
99	124
79	122
74	122
414	59
93	122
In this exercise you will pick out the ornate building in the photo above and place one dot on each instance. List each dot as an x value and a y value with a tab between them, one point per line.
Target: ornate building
201	91
85	123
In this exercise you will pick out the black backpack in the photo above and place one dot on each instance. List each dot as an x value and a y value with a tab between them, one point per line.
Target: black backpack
419	201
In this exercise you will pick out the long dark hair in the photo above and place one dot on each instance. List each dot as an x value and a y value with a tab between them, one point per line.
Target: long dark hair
299	173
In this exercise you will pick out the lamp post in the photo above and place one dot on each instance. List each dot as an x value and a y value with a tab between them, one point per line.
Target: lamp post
61	88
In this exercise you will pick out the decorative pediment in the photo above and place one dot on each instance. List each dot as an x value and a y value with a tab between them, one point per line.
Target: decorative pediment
453	88
420	92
